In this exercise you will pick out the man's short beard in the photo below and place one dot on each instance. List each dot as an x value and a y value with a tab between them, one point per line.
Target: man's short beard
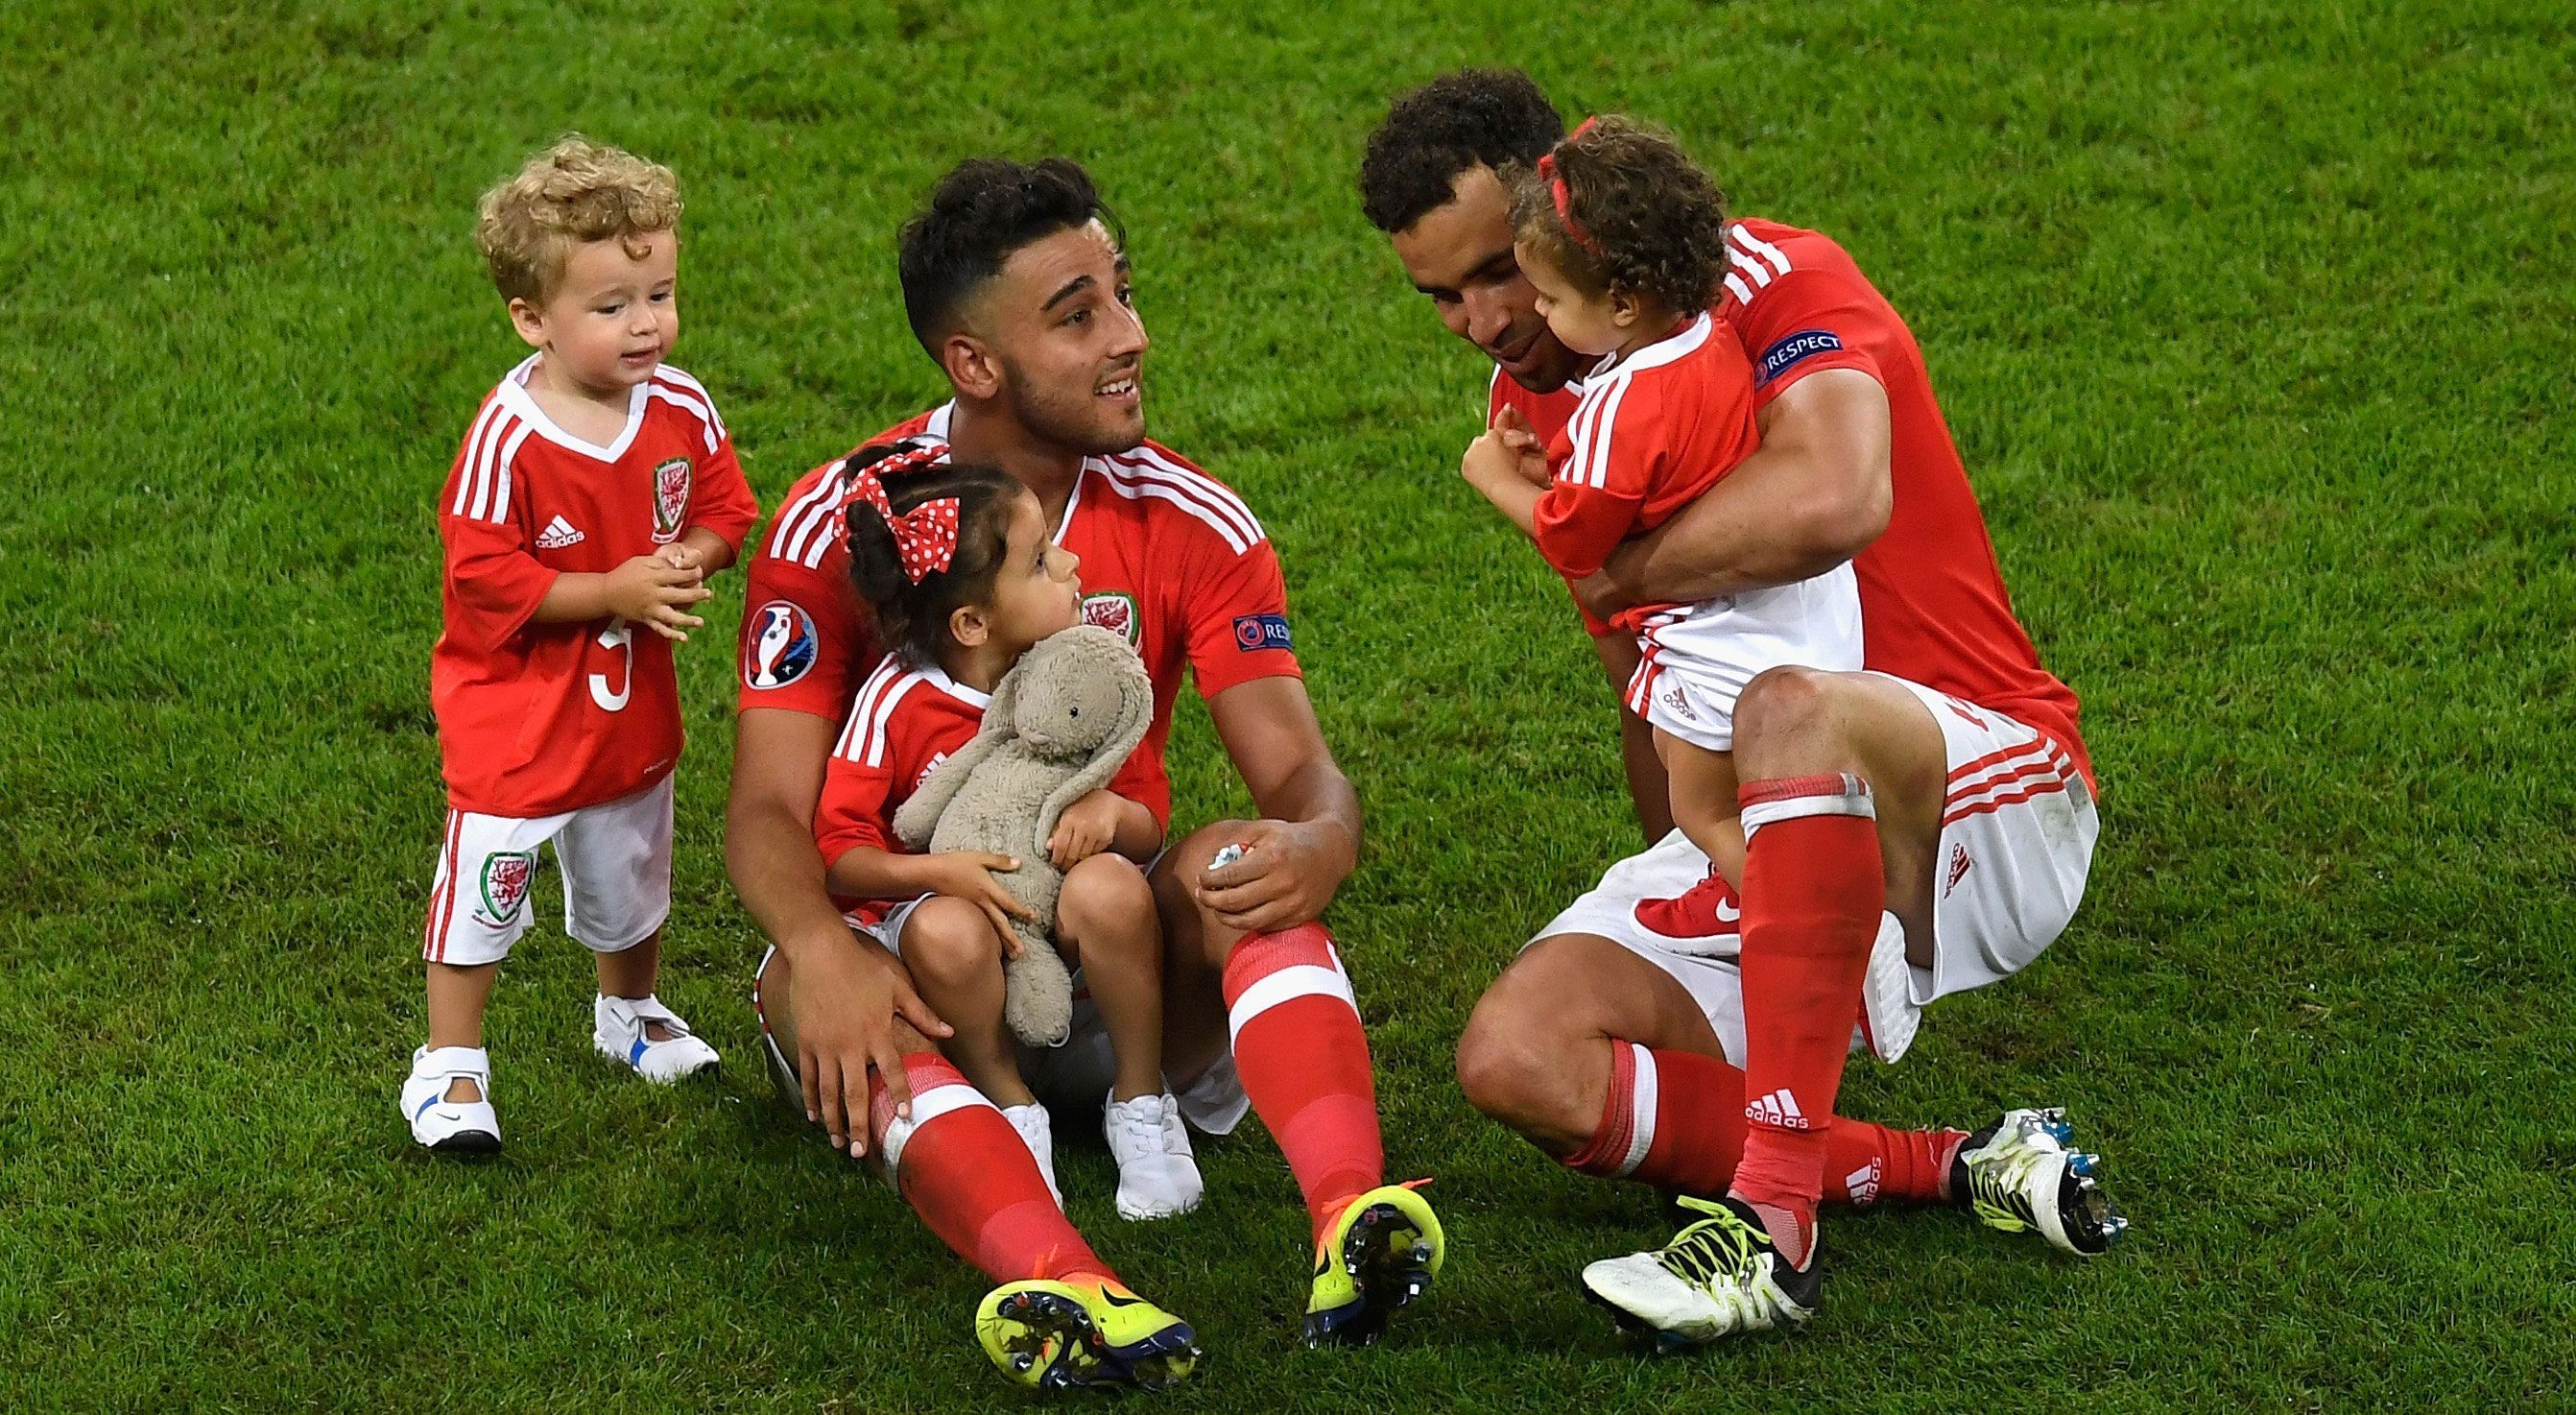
1076	431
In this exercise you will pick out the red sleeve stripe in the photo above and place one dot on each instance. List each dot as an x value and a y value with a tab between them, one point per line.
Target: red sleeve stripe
864	739
1594	420
483	494
472	456
1193	491
1755	245
689	404
803	516
668	374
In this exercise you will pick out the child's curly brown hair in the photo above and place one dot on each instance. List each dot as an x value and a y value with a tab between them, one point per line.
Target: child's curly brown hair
572	192
1639	217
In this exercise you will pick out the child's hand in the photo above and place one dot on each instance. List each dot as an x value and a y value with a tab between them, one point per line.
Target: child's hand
680	555
1085	829
650	591
1528	453
968	875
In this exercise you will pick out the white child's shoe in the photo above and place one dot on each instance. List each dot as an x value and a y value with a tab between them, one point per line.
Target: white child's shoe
1157	1176
618	1030
1039	1132
451	1127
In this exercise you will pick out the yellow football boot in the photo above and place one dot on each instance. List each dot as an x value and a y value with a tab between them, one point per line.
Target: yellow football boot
1088	1331
1379	1253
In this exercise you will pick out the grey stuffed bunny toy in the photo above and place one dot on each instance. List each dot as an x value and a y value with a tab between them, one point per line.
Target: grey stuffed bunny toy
1058	727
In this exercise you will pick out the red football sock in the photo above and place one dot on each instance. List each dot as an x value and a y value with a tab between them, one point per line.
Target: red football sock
1814	886
1869	1164
972	1179
1305	1063
1673	1119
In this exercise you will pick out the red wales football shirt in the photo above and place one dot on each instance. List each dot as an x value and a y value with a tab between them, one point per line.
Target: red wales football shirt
1171	558
905	721
538	719
1933	606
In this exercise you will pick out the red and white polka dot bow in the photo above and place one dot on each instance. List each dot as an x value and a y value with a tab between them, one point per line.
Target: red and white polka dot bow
925	537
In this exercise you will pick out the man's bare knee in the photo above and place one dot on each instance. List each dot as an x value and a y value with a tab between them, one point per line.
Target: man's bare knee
1785	709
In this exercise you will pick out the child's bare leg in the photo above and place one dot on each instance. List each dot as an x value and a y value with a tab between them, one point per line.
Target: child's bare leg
457	997
1704	802
1106	923
631	973
956	964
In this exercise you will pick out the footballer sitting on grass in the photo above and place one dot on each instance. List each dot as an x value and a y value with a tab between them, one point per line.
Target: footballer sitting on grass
596	491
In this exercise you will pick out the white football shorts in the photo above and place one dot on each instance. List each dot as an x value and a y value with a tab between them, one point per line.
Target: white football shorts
1694	660
2017	834
616	862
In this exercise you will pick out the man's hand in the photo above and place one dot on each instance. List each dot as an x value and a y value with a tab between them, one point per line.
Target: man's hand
650	591
1287	874
846	999
1085	829
968	875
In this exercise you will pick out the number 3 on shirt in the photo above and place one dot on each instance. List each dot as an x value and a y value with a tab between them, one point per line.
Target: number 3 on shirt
618	635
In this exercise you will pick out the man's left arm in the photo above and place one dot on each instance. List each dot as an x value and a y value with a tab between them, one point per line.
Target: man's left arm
1308	839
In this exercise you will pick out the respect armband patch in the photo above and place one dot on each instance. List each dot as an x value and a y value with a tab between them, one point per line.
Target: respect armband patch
1254	632
1791	350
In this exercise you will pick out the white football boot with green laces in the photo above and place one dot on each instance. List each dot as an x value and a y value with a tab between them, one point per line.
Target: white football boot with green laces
1717	1276
2019	1176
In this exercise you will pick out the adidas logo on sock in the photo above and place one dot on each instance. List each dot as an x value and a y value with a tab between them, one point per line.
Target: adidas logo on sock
1862	1184
558	534
1778	1109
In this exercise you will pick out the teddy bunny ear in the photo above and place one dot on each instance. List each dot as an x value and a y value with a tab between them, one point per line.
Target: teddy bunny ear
1135	715
918	817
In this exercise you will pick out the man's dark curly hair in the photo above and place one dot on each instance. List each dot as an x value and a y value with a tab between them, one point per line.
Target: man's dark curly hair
1641	218
981	214
1488	117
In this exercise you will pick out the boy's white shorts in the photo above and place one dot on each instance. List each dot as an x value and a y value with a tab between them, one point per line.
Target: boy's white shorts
2017	834
616	862
1695	660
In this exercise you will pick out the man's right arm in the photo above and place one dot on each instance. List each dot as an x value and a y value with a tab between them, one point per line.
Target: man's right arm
848	991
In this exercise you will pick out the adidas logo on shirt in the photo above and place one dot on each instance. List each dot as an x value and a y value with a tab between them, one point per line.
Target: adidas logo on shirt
1779	1109
558	534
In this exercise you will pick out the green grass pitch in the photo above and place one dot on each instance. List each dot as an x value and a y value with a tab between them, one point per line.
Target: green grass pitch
2252	322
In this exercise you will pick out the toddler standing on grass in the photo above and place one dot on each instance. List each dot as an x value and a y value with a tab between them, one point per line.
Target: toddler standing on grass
595	492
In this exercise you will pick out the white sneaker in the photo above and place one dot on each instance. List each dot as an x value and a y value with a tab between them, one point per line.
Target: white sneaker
617	1029
1034	1127
1157	1176
1216	1102
451	1127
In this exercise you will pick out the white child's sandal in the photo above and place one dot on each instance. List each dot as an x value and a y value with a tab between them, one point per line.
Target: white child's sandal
451	1127
618	1030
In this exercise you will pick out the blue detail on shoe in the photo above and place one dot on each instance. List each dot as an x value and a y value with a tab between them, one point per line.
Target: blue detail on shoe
425	1105
635	1053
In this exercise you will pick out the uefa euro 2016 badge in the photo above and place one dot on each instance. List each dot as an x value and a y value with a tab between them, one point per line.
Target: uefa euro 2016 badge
506	877
1114	611
781	650
670	499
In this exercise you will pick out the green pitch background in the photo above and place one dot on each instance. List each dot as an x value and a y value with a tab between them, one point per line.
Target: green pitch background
2253	324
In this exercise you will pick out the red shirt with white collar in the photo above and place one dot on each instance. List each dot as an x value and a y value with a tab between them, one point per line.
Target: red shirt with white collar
539	719
1933	606
1171	558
